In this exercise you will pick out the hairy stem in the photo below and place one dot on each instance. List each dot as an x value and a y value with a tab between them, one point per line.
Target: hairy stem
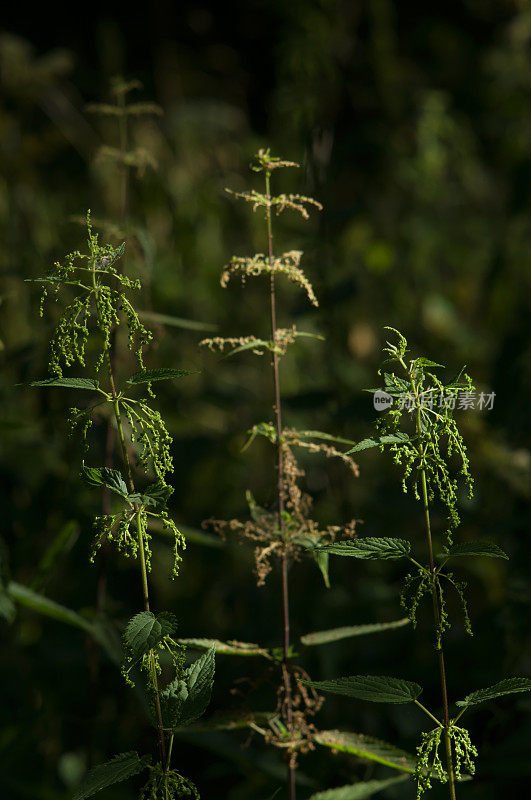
288	704
437	619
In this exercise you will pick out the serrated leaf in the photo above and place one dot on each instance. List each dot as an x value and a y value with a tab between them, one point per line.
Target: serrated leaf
369	748
374	688
391	438
163	374
370	547
474	549
426	362
68	383
230	648
155	495
336	634
199	679
118	769
507	686
358	791
105	476
145	630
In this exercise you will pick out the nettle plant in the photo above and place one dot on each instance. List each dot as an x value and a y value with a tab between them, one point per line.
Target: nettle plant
420	432
285	532
153	659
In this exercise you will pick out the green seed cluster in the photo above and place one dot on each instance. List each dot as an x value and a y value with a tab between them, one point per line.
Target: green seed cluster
168	785
429	763
116	528
149	432
99	299
436	438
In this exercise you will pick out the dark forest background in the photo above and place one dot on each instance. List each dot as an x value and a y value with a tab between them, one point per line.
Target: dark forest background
413	128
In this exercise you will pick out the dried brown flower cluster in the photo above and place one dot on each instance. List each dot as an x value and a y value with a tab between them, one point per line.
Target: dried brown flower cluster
299	531
305	703
281	202
247	342
251	266
305	439
283	338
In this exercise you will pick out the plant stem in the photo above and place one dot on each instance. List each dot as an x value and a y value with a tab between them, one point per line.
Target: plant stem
131	487
437	618
432	716
280	497
143	567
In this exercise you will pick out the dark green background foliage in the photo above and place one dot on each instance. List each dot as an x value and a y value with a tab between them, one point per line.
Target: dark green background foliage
414	131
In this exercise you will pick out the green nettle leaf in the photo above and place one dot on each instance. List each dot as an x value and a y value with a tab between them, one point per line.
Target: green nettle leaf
370	547
507	686
369	748
145	630
163	374
358	791
69	383
375	688
426	362
336	634
474	549
118	769
391	438
105	476
199	679
155	495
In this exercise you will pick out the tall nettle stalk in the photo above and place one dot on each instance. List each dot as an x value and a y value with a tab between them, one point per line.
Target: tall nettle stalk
422	435
153	661
286	530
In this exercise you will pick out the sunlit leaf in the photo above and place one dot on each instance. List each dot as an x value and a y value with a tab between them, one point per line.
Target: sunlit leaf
474	549
370	547
369	748
336	634
163	374
68	383
375	688
507	686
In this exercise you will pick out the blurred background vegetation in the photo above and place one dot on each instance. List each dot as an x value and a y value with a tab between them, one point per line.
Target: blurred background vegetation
413	128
